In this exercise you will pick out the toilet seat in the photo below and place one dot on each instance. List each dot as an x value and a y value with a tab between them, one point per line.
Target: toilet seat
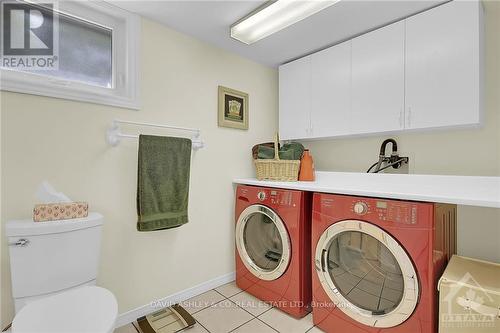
87	309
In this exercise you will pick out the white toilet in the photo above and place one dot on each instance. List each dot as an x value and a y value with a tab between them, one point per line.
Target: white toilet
54	269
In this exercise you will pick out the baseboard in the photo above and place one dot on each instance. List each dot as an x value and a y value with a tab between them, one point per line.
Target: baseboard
129	316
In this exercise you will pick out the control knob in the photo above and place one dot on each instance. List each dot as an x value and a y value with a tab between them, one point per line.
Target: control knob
360	208
261	196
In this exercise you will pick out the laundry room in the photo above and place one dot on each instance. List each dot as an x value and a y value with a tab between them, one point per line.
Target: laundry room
334	168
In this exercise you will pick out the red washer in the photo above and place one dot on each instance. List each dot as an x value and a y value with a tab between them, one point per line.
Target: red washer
377	263
273	246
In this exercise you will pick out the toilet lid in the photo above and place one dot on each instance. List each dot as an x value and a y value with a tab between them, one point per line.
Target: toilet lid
83	310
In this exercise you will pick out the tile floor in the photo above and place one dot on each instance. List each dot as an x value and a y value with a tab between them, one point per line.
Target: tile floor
229	309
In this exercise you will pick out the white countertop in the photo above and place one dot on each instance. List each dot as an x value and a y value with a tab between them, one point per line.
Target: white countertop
460	190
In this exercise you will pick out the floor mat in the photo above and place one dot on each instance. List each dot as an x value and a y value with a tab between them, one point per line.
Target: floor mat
168	320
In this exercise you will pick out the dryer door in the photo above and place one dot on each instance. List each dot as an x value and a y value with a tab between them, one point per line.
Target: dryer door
366	273
263	242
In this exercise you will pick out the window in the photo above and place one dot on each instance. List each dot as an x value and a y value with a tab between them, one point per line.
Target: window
75	50
88	58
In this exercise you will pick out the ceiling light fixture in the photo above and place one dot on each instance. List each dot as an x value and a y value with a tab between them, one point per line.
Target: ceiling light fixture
274	17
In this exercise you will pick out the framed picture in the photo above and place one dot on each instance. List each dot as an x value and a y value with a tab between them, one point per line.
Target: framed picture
233	108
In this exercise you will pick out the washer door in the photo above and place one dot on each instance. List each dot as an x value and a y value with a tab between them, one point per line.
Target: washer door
366	273
263	242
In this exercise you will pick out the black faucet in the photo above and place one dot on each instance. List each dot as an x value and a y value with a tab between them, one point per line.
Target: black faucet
393	160
384	145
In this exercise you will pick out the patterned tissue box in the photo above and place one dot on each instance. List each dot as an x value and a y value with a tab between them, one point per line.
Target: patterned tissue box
60	211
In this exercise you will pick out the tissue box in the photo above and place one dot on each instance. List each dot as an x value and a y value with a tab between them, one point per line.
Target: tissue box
60	211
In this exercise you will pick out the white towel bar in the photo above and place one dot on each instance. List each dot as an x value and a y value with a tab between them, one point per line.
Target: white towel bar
114	135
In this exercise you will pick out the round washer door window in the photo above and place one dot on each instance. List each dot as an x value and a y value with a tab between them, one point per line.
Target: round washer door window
263	242
366	273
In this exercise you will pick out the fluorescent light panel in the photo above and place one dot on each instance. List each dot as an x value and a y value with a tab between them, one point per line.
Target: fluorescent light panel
275	17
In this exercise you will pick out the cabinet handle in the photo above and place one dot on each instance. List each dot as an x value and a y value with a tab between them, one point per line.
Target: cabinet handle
401	124
21	242
309	131
409	116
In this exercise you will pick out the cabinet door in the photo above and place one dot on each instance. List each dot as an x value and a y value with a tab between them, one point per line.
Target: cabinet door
443	66
378	80
294	99
331	91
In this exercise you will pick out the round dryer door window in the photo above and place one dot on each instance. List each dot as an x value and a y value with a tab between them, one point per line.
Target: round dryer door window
263	242
366	273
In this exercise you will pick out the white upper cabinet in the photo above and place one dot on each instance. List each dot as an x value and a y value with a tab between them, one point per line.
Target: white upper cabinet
378	74
443	66
331	91
422	72
295	99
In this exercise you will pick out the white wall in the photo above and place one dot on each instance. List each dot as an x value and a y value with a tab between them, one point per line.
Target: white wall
63	142
455	152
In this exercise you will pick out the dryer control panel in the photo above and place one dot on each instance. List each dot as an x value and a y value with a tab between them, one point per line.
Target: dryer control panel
269	196
275	197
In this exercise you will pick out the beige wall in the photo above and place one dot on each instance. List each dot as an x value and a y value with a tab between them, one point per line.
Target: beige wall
63	142
1	226
456	152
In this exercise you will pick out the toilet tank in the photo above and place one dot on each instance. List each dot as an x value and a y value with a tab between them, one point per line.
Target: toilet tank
50	257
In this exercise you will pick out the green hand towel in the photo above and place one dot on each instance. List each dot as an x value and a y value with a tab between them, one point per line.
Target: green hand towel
288	151
162	182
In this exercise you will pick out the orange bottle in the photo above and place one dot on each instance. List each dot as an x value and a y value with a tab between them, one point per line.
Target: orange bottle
306	167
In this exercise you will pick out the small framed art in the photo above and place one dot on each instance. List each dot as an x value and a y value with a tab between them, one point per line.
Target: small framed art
233	108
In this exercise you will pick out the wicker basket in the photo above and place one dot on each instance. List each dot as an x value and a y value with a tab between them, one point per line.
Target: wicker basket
276	169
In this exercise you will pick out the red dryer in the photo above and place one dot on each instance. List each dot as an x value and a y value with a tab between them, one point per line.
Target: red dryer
377	263
273	246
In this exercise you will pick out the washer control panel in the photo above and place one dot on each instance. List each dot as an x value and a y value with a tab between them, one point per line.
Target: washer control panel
395	211
390	212
386	210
